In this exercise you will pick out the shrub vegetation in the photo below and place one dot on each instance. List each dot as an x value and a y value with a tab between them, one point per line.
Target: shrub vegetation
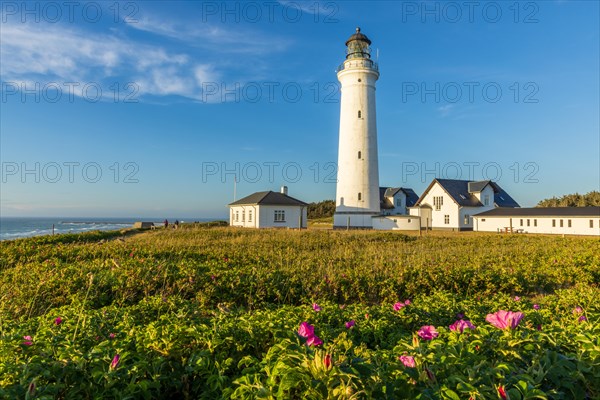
213	312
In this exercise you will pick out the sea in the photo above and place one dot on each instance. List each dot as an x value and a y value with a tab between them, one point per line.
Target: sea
21	227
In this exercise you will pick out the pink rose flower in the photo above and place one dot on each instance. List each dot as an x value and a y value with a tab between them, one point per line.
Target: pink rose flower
28	340
408	361
427	332
58	321
316	307
460	325
306	330
350	324
398	306
314	341
505	319
114	362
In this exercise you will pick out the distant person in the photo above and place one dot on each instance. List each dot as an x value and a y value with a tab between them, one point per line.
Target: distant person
166	223
176	223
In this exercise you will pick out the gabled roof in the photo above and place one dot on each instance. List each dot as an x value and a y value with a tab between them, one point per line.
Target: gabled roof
385	192
542	212
268	198
478	186
462	192
501	198
411	197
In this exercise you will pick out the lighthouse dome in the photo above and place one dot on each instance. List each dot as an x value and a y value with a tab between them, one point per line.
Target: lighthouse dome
358	36
358	46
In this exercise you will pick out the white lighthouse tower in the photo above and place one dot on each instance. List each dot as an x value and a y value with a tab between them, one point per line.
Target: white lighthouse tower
357	192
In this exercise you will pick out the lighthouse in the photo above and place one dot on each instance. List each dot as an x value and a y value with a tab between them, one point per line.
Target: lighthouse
357	191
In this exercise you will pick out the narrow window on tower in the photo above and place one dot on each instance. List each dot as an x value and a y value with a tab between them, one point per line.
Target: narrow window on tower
359	155
359	114
359	196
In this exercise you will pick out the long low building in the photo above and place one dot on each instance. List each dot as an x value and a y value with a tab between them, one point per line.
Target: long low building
553	220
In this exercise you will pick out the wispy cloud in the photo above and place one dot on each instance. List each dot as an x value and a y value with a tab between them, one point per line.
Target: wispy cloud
445	110
55	53
327	9
211	36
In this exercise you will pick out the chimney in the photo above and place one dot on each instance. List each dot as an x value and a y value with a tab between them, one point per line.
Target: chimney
284	190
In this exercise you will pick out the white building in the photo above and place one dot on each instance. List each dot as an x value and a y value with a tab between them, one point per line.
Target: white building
357	192
397	222
450	204
395	201
555	220
268	210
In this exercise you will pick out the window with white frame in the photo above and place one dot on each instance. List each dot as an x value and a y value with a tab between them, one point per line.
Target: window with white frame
399	202
528	222
554	223
249	215
561	223
243	216
237	216
438	201
591	223
466	219
486	200
279	216
535	222
569	223
446	219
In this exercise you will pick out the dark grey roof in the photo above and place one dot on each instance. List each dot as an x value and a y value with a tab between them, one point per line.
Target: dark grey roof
476	187
411	197
542	212
385	192
462	192
501	198
269	198
384	202
391	192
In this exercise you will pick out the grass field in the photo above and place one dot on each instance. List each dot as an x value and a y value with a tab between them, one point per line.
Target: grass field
218	312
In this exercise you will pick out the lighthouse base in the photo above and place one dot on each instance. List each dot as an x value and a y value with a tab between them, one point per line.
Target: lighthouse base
354	220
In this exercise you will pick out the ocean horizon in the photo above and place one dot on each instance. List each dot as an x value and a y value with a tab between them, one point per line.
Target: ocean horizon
22	227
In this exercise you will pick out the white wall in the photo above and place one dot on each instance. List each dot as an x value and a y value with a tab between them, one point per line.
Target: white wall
472	211
357	134
264	216
487	191
397	222
579	225
341	221
449	207
398	209
424	213
244	211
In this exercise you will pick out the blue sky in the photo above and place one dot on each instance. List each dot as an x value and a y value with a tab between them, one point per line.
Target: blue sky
150	108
